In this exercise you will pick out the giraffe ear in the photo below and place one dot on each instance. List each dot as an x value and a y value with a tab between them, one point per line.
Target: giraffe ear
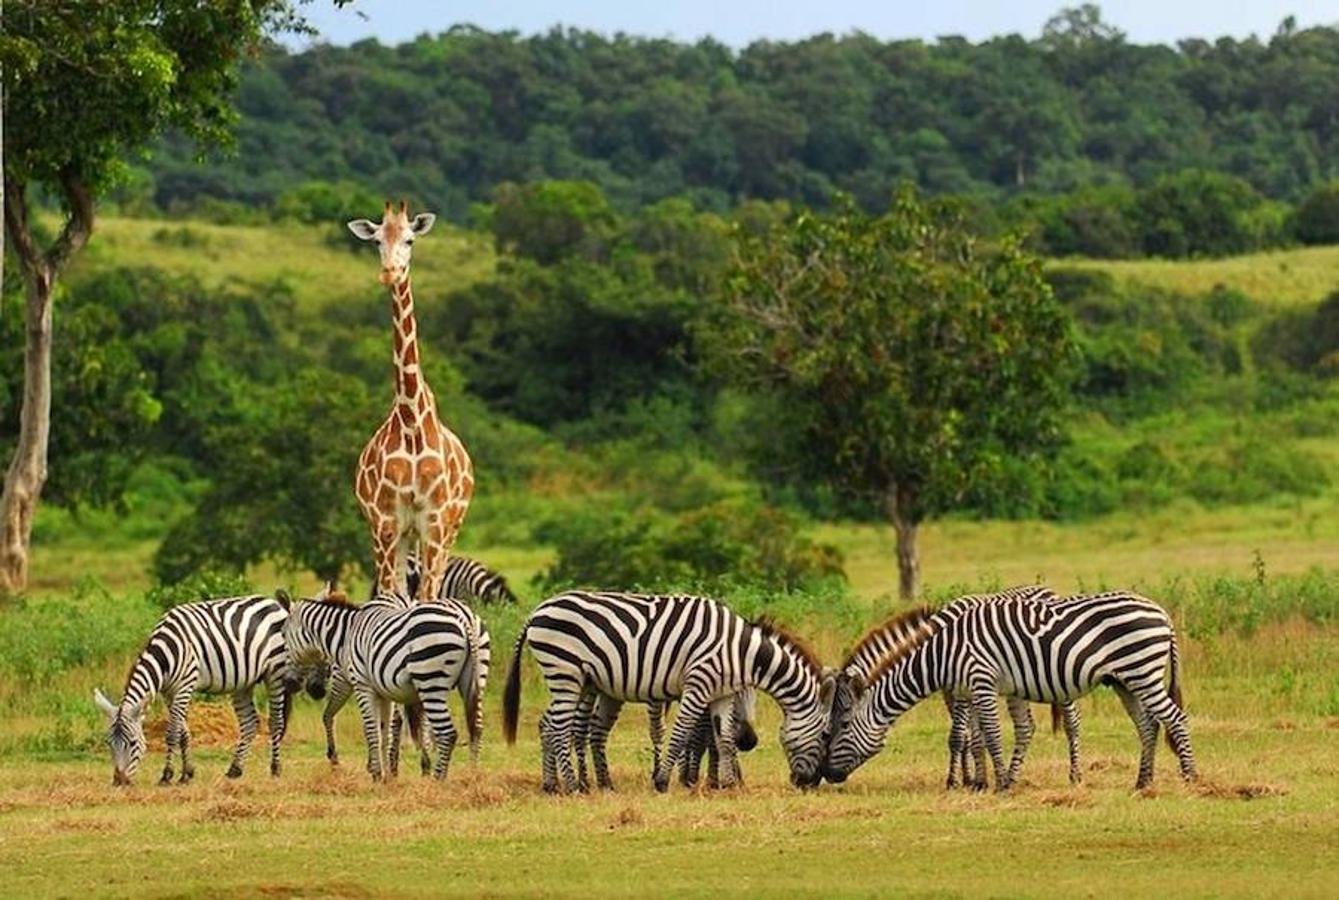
422	223
363	229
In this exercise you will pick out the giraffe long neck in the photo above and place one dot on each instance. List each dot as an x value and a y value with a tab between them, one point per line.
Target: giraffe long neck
409	384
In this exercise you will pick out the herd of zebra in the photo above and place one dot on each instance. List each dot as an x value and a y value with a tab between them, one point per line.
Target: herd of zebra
598	650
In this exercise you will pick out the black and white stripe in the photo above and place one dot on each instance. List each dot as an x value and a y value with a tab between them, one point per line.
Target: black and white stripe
651	648
215	646
598	713
1040	652
465	579
391	650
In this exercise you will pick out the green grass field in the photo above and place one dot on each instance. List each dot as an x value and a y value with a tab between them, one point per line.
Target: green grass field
1263	822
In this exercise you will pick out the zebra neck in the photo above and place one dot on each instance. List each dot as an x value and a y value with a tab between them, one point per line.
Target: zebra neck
914	678
148	675
782	674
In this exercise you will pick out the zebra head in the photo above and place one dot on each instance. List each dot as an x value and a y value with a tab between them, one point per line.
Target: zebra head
746	702
856	735
125	735
803	730
308	662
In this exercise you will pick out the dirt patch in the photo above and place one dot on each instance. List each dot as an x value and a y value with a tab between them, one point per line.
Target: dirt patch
1066	799
230	809
1332	723
1246	791
627	817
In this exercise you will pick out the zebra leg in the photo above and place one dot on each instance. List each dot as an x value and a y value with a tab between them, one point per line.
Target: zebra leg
1024	728
340	691
701	742
655	723
562	710
548	758
692	706
175	721
250	723
721	720
581	730
1071	720
397	730
959	711
280	703
371	708
1162	708
438	714
602	722
976	750
1147	729
984	700
422	739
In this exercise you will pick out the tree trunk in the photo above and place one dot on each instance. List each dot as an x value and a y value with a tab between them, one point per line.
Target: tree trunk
27	471
899	506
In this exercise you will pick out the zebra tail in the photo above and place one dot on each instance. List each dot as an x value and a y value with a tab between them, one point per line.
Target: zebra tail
511	694
1057	716
413	716
1174	688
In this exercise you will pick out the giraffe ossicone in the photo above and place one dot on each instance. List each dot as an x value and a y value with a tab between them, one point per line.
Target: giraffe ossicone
415	479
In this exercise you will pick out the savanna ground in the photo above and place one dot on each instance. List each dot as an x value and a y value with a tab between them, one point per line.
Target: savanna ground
1262	687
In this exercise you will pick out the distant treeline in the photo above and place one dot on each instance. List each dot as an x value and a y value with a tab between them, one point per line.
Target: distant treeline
447	118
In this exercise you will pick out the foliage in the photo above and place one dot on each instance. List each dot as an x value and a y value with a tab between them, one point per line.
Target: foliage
1316	219
715	547
1199	213
449	117
912	359
205	584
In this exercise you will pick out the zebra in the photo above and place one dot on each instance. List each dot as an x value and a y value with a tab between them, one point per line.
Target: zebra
643	648
326	680
394	650
224	645
1036	651
964	732
598	713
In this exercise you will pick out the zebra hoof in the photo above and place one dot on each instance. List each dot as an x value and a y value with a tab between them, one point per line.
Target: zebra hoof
167	777
186	776
274	770
662	785
234	771
550	787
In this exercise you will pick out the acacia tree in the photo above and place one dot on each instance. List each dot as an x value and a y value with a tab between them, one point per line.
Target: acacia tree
910	360
88	84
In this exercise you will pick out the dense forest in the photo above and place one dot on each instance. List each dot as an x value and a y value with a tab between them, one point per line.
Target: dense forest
448	117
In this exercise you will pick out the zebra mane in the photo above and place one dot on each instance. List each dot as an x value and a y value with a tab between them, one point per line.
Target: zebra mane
788	638
897	627
337	599
918	629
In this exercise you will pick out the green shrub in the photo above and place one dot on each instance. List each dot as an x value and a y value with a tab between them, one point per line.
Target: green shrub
733	542
1316	220
208	584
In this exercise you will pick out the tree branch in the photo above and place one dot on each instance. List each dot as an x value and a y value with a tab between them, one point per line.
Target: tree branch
16	226
78	226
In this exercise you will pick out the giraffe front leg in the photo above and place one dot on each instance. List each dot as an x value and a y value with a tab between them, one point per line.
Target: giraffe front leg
435	541
385	546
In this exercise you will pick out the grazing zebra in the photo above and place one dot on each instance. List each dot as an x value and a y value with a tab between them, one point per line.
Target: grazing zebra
1043	652
212	646
648	648
326	675
393	650
598	713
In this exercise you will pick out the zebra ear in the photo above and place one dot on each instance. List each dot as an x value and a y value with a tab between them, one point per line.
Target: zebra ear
827	689
283	598
858	684
108	708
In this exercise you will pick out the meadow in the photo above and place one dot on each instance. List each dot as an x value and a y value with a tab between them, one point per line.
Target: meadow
1252	585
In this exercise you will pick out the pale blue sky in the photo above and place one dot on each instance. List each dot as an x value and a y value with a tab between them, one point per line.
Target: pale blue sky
737	22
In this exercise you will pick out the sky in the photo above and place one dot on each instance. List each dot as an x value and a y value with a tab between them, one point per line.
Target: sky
739	22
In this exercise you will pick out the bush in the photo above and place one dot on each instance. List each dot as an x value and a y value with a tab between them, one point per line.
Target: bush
1199	213
208	584
1316	220
730	543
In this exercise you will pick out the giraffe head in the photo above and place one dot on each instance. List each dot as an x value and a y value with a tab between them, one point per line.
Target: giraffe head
395	239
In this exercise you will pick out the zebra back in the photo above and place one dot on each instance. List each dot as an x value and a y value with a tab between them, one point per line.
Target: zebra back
464	579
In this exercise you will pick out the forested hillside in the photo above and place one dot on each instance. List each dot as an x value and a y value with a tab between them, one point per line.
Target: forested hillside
449	116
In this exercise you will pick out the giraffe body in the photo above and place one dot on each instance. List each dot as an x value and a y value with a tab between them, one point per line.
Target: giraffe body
414	480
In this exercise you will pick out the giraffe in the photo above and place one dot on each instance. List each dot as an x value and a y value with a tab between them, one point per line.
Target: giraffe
414	479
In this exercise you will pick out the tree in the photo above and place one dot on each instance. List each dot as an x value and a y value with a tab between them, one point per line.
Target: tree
89	84
913	362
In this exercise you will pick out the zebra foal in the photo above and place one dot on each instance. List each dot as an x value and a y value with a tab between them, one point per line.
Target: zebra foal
654	648
214	646
1041	652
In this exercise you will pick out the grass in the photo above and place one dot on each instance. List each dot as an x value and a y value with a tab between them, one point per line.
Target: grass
1262	823
319	263
1303	275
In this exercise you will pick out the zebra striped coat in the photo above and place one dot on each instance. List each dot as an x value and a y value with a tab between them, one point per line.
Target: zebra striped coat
1041	652
323	673
651	648
394	650
214	646
464	579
